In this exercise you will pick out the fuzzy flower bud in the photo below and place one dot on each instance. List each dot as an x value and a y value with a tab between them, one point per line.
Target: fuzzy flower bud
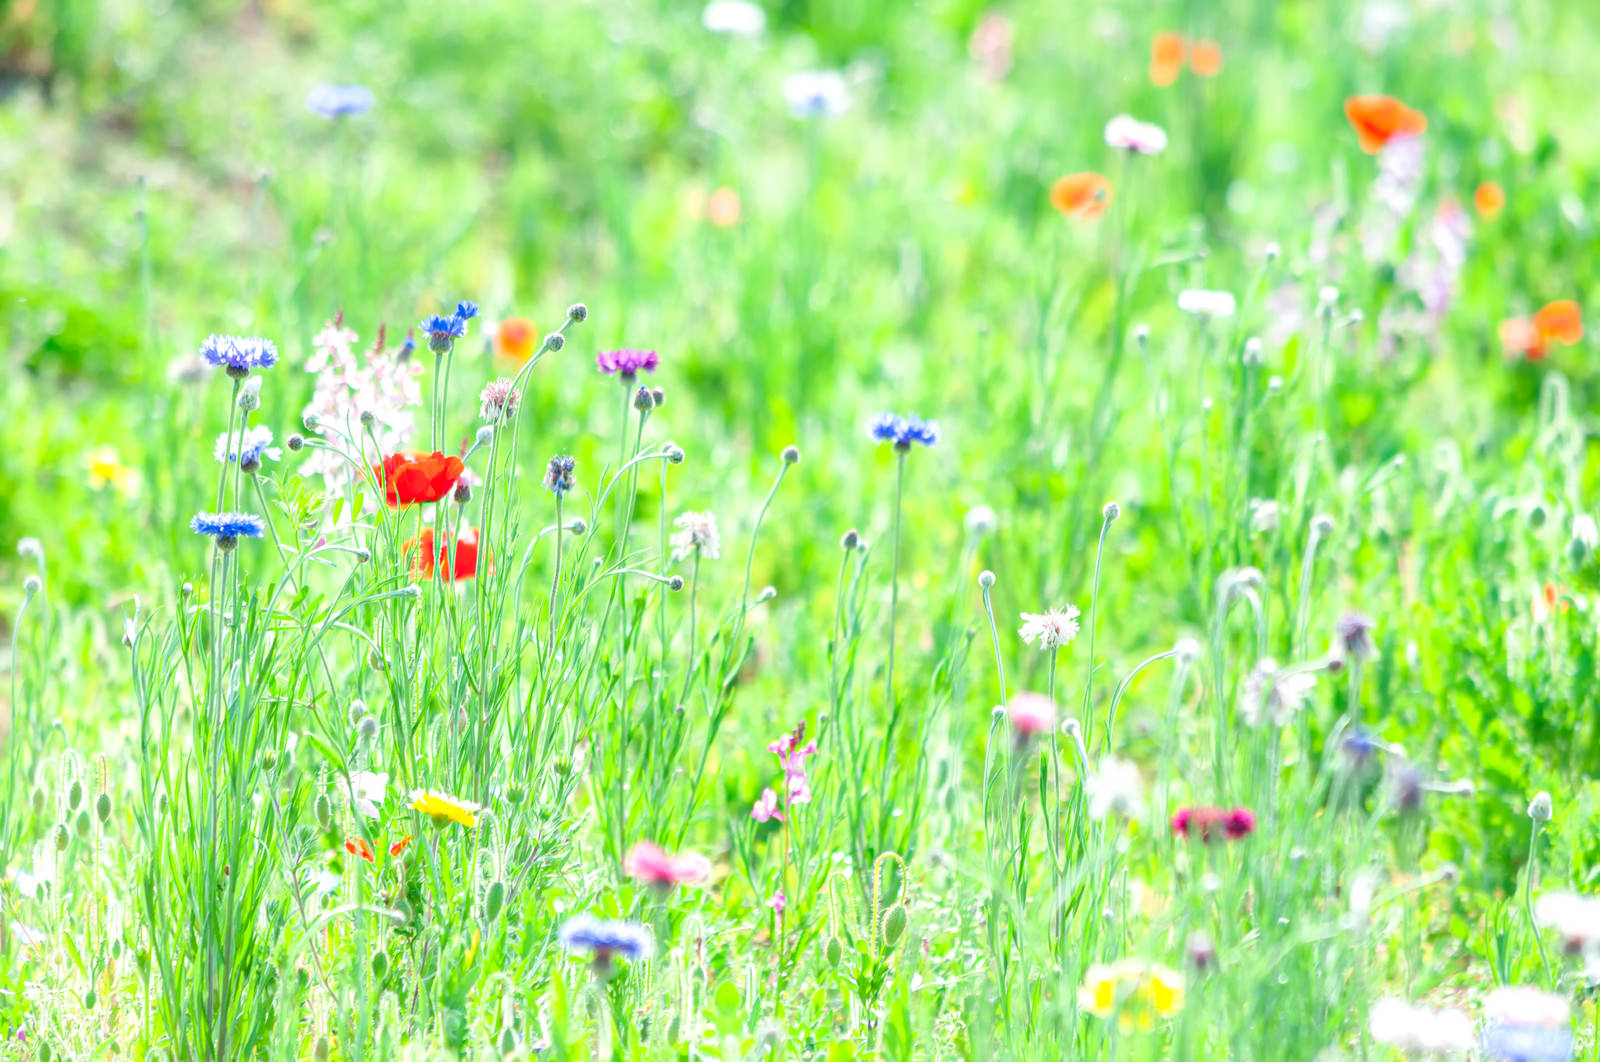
1111	511
986	578
578	313
555	341
250	394
850	540
1540	809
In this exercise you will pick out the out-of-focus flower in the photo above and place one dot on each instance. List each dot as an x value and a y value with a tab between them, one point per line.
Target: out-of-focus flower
1134	991
1273	695
603	939
359	846
1379	119
385	386
558	477
1128	133
722	209
104	468
765	808
498	399
1208	824
1420	1030
1205	58
1031	714
1557	322
1490	199
653	865
248	449
1166	58
1208	304
339	101
816	94
990	45
626	364
1115	788
1264	515
1575	918
1524	1024
902	432
369	789
1081	195
696	535
515	338
736	18
1052	629
452	564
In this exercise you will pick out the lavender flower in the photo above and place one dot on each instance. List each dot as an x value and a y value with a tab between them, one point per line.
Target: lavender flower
339	101
558	477
603	938
228	528
239	354
499	397
903	431
626	363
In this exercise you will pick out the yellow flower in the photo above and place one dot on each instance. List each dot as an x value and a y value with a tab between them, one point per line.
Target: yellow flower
106	469
1136	991
442	807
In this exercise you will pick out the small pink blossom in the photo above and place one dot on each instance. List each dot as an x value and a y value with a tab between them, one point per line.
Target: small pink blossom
652	864
779	903
1031	714
766	807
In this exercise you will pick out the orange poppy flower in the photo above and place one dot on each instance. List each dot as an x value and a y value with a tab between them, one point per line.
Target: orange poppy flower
357	846
466	557
417	477
1205	58
1166	58
399	846
1490	199
722	209
515	337
1379	119
1559	322
1081	195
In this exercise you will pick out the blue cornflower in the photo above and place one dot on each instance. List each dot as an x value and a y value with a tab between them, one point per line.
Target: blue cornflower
466	310
558	477
903	431
443	331
228	528
1517	1042
409	345
603	938
239	354
339	101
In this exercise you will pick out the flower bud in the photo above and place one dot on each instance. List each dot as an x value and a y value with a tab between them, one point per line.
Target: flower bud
295	442
367	419
1540	809
322	808
791	454
578	312
555	341
380	964
32	585
102	808
675	583
894	924
658	395
1111	510
484	436
833	951
494	899
850	540
986	578
643	401
250	394
462	492
74	795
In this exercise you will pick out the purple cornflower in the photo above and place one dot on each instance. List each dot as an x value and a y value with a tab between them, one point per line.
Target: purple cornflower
339	101
443	331
558	477
239	354
903	431
626	363
499	397
228	528
603	938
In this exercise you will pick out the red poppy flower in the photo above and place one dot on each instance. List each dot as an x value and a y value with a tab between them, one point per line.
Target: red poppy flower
357	846
1379	119
417	477
466	557
1557	322
400	845
1490	199
1081	195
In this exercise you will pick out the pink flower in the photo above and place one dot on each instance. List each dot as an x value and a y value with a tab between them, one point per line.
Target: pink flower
1031	714
766	807
651	864
779	903
799	789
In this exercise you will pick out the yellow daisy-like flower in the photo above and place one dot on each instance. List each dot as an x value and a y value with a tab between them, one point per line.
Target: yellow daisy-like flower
443	808
105	469
1135	991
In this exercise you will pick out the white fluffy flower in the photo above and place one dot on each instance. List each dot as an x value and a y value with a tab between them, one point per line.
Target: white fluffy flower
255	445
816	93
369	789
1127	132
1115	788
1421	1030
1052	629
1272	694
737	18
1576	918
1524	1005
980	520
1204	303
1264	515
697	533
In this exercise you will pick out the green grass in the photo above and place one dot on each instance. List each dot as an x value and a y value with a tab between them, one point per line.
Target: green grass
948	889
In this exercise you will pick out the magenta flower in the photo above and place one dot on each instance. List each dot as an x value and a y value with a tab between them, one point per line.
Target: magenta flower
779	903
626	363
766	807
1031	714
653	865
1208	824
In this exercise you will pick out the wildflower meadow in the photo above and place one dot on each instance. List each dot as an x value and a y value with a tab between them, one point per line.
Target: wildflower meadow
799	530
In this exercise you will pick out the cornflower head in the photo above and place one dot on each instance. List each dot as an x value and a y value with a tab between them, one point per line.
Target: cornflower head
499	398
442	331
1575	918
653	865
626	364
228	528
339	101
237	355
816	93
248	448
1207	824
1031	714
558	479
1352	639
902	432
697	535
603	939
1420	1030
1052	629
1524	1024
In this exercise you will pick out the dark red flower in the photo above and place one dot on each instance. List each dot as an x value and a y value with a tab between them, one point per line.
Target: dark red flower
1208	824
466	557
416	477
